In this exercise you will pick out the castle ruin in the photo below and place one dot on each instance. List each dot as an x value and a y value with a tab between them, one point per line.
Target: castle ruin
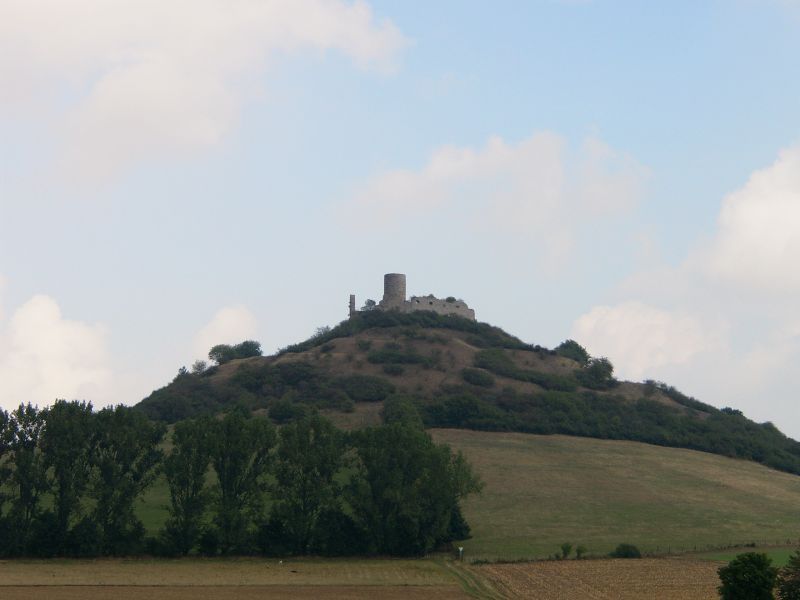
394	298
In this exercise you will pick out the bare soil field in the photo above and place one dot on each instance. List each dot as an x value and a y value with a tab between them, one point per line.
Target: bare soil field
197	579
608	579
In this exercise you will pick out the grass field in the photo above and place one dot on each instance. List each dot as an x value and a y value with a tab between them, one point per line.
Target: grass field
779	556
542	491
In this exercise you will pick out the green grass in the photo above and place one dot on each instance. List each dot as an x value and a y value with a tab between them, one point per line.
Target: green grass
542	491
779	556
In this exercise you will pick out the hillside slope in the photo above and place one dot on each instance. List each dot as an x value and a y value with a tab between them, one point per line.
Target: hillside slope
464	374
542	491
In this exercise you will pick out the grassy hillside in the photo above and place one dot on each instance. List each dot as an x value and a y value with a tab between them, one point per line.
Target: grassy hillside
542	491
467	375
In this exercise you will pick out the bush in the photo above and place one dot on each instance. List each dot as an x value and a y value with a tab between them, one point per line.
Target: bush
749	576
365	388
392	369
478	377
284	411
626	551
572	349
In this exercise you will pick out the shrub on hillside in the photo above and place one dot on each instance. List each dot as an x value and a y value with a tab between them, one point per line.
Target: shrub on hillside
365	388
393	369
478	377
626	551
572	349
789	579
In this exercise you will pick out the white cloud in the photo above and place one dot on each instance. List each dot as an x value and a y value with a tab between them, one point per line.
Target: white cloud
44	356
230	325
757	243
638	338
533	188
146	78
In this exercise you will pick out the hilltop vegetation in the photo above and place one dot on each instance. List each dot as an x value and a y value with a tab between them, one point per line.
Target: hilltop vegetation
465	374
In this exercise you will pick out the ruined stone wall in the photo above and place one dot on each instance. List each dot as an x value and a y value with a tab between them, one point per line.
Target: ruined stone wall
442	307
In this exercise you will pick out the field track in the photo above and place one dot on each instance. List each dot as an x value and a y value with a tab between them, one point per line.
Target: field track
663	578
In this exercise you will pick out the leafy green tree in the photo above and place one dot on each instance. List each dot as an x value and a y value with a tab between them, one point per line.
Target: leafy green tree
66	445
125	459
221	354
749	576
240	454
597	374
572	349
406	488
185	470
789	579
247	349
27	477
199	367
626	551
310	454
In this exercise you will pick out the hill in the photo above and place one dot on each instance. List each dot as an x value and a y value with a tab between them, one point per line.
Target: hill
542	491
464	374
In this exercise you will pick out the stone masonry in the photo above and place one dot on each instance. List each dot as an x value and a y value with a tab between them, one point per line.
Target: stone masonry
394	298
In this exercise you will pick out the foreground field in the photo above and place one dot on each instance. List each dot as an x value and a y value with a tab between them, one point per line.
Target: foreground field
242	578
542	491
672	579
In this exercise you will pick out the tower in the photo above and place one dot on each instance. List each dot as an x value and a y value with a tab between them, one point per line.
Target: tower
352	304
394	290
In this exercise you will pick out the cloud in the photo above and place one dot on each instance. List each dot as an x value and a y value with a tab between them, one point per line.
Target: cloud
638	338
757	242
44	356
133	80
230	325
534	188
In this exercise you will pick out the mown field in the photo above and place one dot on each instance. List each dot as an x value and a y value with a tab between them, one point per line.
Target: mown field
197	579
673	579
542	491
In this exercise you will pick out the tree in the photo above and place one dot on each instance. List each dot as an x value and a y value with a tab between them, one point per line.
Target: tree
247	349
401	409
369	305
222	353
240	452
310	454
789	579
406	490
125	457
66	445
572	349
27	476
749	576
199	367
597	374
185	470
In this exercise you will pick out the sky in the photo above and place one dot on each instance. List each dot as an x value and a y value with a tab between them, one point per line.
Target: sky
179	174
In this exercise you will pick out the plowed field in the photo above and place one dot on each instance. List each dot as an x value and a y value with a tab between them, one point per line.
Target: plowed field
664	578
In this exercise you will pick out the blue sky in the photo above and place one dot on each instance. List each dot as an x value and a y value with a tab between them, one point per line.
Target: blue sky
178	174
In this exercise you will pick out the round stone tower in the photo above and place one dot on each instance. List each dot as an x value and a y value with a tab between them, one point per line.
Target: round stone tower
394	289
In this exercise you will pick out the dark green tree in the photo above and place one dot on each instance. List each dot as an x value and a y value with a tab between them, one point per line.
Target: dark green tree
310	454
240	455
406	489
749	576
572	349
185	470
221	354
27	475
125	460
66	445
789	579
597	374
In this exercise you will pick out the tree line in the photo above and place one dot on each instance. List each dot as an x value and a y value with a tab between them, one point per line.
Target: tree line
70	478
